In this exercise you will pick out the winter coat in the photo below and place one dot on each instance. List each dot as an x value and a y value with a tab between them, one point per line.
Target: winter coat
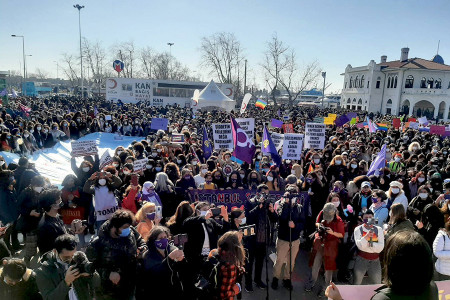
48	231
28	201
26	289
441	249
286	214
400	226
417	203
8	206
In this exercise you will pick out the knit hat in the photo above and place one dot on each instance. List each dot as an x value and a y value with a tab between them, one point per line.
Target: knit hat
397	184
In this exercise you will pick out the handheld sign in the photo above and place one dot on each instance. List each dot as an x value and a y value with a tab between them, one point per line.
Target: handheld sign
83	148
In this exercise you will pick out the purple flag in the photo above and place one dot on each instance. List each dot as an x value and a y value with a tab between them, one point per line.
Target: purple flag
206	144
269	147
341	120
244	149
351	115
379	162
277	123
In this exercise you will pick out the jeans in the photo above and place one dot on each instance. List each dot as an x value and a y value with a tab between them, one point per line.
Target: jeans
318	259
284	257
372	267
256	254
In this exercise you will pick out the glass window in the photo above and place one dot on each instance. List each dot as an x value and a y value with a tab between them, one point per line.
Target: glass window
356	82
362	82
423	83
360	101
162	92
409	83
389	83
348	100
351	82
430	83
378	82
389	102
126	87
179	93
438	84
395	82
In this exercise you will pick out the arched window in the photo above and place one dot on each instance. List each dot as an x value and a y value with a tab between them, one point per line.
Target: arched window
430	83
423	83
359	101
348	100
389	102
378	82
362	81
438	84
389	83
395	82
345	86
354	101
356	82
351	82
409	83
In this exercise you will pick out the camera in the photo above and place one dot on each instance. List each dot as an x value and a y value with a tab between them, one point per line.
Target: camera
179	240
248	230
80	262
322	231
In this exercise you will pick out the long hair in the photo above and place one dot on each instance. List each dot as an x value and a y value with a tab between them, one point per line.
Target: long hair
231	249
162	182
147	208
397	213
184	211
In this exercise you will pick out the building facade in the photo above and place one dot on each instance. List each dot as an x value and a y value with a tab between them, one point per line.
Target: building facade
413	86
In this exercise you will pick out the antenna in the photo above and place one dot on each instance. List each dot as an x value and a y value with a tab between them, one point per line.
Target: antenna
438	47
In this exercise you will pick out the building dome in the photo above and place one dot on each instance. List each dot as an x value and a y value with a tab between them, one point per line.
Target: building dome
438	59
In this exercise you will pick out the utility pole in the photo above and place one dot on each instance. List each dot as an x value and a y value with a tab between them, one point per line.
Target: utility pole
24	61
79	7
324	75
245	77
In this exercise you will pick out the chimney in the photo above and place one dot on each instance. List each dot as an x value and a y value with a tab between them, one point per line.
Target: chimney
383	59
404	56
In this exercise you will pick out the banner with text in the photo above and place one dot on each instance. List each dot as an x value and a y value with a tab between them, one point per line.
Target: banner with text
248	125
222	136
106	159
277	139
315	136
292	146
83	148
139	165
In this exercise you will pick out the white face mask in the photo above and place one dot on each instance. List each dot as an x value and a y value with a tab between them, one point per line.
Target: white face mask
126	172
178	161
38	189
354	166
421	179
395	190
115	165
194	162
337	203
316	161
423	195
269	178
102	181
243	221
86	169
242	176
119	152
149	167
414	148
293	172
338	162
288	161
397	159
204	171
158	150
203	213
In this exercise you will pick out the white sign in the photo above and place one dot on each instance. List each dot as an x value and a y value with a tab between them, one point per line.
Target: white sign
139	165
314	136
83	148
245	101
105	160
292	146
108	118
248	125
413	125
277	139
222	136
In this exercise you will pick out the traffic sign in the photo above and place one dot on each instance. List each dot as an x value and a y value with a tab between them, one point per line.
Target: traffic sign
118	66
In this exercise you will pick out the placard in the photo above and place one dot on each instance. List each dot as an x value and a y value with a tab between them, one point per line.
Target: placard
83	148
108	118
396	122
315	136
248	125
177	138
139	165
277	139
222	136
105	159
437	129
159	123
413	125
276	123
70	214
292	146
288	128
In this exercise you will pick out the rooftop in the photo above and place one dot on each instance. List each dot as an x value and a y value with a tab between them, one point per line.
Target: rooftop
415	63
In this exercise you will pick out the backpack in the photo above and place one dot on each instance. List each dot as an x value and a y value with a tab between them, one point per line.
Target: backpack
208	281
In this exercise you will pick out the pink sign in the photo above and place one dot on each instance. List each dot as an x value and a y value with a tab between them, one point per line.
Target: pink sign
436	129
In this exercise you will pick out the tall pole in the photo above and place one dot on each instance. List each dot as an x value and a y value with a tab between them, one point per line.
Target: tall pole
324	75
26	72
79	7
170	59
245	77
24	60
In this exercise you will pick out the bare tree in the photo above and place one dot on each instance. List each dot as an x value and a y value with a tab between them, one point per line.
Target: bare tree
147	57
126	52
95	56
40	74
71	68
222	53
167	67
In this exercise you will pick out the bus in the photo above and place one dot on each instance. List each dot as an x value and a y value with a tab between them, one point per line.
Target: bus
157	92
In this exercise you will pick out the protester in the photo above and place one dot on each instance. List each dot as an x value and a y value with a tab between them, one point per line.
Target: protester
17	282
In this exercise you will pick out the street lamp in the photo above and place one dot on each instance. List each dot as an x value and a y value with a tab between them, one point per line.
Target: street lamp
57	75
23	52
27	66
79	7
324	75
170	45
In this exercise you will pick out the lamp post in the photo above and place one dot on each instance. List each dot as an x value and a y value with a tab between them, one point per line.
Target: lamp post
23	53
26	64
79	7
170	47
324	75
245	77
57	75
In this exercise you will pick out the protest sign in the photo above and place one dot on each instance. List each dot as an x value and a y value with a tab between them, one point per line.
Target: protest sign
277	139
436	129
177	138
108	118
292	146
222	136
423	121
315	136
159	123
341	120
105	159
139	165
328	121
412	120
396	122
318	120
70	214
288	128
332	116
83	148
277	123
413	125
248	125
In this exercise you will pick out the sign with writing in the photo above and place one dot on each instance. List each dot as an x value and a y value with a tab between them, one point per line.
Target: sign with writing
276	123
248	125
105	159
396	122
83	148
292	146
139	165
288	128
315	136
70	214
177	138
159	123
328	121
227	169
277	139
437	129
332	116
108	118
318	120
222	136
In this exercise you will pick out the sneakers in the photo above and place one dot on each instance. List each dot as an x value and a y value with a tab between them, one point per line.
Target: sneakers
248	288
287	284
261	285
275	283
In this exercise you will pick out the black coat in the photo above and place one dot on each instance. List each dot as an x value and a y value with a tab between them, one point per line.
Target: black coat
48	231
26	289
28	201
8	206
287	212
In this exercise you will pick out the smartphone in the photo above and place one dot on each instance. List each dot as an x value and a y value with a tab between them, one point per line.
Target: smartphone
158	212
179	240
216	211
151	216
134	180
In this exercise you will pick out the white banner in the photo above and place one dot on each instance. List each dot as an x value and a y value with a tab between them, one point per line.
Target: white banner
139	165
245	101
314	136
105	160
83	148
277	139
222	136
292	146
248	125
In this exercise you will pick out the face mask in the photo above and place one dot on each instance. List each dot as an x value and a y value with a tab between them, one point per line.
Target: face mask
269	178
336	189
293	172
338	162
243	221
337	203
26	135
309	180
320	177
31	130
354	166
259	157
265	170
162	244
445	152
316	161
187	177
178	161
434	151
194	162
115	165
86	169
414	160
38	189
203	213
158	169
334	142
126	172
2	162
397	159
242	176
102	181
288	161
374	200
352	148
38	128
78	120
158	150
414	148
149	167
154	154
421	179
423	195
125	232
395	191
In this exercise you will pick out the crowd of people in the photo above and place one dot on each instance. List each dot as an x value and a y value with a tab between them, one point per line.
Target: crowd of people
141	234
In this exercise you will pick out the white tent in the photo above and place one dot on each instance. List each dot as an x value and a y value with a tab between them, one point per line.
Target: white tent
211	97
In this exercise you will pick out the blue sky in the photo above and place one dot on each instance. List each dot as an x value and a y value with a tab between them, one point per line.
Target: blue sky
333	32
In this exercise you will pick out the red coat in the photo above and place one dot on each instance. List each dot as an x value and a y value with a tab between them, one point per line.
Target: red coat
129	202
330	249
